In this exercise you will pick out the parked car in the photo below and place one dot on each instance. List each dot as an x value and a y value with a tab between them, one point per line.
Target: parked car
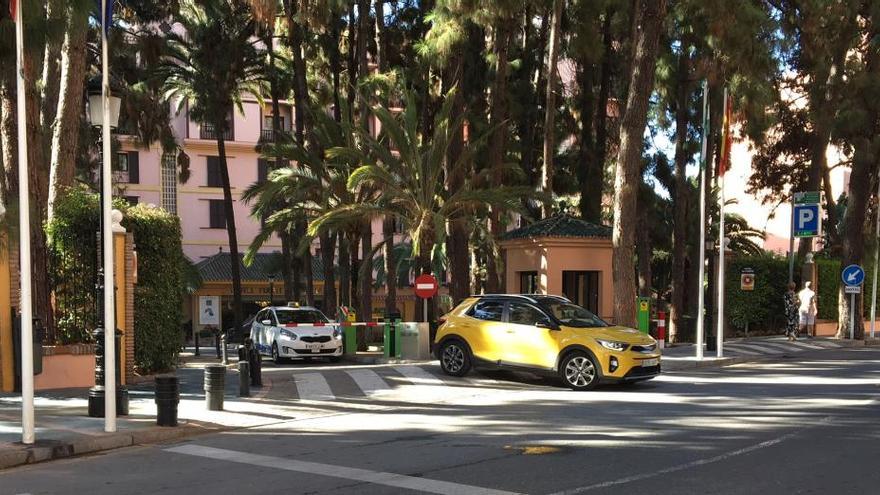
547	334
287	332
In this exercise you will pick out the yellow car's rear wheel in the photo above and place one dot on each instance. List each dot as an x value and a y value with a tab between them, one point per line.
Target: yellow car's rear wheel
579	371
455	358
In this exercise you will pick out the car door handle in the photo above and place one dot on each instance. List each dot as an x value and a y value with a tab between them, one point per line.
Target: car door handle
511	331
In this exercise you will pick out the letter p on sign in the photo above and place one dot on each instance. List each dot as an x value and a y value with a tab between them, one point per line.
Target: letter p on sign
806	221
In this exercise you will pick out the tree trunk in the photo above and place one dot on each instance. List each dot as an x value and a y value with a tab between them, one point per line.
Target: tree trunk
644	255
586	169
300	86
65	133
8	142
627	180
56	14
309	276
287	266
550	106
328	254
336	69
366	273
595	186
390	265
344	272
681	204
497	143
235	260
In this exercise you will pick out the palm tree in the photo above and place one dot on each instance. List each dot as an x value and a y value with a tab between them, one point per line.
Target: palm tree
211	68
407	169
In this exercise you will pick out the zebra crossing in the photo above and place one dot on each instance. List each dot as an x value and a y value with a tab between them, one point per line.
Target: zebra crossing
776	346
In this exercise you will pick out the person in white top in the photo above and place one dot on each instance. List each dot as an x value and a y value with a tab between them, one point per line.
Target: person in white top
807	310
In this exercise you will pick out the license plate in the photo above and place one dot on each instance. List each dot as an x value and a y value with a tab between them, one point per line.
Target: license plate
650	362
314	347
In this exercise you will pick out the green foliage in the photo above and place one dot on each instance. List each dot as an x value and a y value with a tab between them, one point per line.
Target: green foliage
160	288
161	271
829	285
762	308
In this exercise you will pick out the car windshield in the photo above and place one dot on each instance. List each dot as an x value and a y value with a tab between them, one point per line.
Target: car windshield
572	315
301	316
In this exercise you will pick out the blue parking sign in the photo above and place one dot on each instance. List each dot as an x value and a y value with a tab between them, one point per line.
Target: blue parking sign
807	220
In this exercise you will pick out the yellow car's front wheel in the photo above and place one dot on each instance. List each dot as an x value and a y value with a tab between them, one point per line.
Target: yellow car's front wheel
579	371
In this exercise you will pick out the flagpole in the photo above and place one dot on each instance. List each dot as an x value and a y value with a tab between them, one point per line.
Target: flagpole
701	292
24	221
107	238
721	244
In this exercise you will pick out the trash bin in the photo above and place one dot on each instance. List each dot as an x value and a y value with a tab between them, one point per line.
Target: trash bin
39	333
391	340
415	341
167	396
349	339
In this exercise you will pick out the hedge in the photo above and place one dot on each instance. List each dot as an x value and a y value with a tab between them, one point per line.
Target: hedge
829	285
158	293
762	309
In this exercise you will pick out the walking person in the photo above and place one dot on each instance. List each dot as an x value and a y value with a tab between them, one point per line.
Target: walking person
807	309
791	312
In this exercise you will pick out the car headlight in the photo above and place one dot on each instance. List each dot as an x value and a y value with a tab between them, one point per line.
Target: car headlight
337	334
614	346
287	333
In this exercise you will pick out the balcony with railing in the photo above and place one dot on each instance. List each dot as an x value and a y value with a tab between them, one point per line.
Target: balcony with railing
208	131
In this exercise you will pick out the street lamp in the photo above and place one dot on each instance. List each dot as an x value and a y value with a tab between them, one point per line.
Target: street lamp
97	407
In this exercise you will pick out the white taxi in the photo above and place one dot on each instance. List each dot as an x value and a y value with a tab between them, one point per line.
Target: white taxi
288	332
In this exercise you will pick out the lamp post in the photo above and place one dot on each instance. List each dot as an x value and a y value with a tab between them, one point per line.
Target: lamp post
106	369
271	289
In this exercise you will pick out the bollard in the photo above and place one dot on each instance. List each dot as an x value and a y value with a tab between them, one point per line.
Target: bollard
167	397
217	344
661	329
244	379
225	360
256	368
215	386
242	353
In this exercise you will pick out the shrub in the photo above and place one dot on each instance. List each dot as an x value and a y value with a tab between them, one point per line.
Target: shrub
160	288
829	285
763	309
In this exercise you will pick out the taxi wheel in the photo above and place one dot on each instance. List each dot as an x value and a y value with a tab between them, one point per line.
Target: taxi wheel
579	372
276	357
455	358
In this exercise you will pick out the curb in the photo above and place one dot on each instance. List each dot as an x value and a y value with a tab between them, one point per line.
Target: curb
47	450
727	361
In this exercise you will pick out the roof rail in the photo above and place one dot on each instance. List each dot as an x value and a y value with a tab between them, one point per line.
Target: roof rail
527	297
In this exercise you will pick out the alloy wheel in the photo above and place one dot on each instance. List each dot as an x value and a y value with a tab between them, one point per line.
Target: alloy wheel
453	358
580	371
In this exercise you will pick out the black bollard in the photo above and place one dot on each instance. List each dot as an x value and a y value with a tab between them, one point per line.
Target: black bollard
167	397
215	386
244	379
242	354
256	368
223	348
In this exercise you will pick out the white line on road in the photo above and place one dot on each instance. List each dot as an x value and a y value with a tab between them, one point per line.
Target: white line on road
418	376
740	350
755	347
693	464
312	386
369	381
356	474
804	345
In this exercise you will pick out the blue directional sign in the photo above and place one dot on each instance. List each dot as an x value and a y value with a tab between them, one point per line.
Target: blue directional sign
853	275
807	220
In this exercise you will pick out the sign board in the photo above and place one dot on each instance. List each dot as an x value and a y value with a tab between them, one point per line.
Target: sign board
643	315
852	289
807	220
807	198
853	275
747	280
209	310
426	286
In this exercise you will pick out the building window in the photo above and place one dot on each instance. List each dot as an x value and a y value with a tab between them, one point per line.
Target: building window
131	200
398	225
262	170
169	183
127	167
268	131
528	282
217	214
214	177
208	131
122	161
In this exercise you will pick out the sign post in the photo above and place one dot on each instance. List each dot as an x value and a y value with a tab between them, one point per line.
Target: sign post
853	276
643	316
426	288
806	222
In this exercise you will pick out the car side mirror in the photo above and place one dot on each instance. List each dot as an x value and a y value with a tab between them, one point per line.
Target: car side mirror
549	325
266	322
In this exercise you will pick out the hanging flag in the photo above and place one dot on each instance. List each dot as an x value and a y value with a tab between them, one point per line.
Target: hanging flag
12	6
108	13
726	140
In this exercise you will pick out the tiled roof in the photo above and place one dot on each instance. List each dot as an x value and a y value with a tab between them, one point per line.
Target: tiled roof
559	226
218	268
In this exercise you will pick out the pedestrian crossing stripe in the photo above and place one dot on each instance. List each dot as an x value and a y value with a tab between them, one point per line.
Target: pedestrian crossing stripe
368	381
312	386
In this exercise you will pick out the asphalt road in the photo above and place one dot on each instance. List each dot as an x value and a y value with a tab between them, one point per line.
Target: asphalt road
807	424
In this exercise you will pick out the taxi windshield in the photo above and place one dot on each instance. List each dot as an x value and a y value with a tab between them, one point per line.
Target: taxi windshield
300	316
572	315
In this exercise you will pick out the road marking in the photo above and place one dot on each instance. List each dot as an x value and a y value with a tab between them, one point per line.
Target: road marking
356	474
758	348
781	347
418	376
693	464
312	386
739	350
807	346
369	381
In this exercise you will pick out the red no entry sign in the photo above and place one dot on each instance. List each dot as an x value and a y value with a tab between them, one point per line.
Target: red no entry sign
426	286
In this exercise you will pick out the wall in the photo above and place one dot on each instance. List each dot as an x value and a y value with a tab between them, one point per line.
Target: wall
70	366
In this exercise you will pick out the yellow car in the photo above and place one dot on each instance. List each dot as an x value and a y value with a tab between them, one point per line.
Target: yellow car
545	334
